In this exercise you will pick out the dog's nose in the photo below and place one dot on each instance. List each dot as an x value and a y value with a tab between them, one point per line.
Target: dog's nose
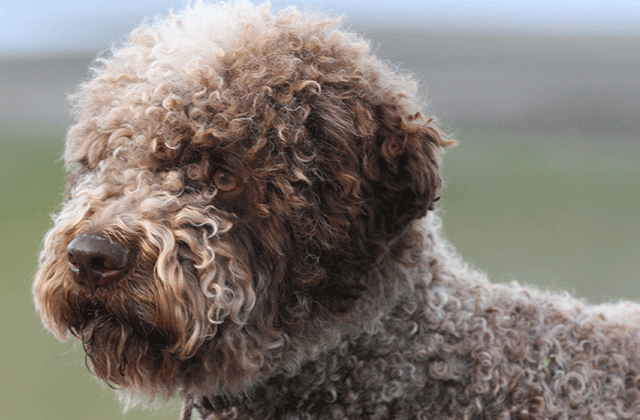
96	261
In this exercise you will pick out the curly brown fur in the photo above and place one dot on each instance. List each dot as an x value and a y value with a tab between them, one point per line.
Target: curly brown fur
270	180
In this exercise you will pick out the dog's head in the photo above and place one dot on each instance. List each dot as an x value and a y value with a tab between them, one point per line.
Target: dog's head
234	177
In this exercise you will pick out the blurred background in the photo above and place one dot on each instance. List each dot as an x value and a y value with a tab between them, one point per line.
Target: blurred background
544	186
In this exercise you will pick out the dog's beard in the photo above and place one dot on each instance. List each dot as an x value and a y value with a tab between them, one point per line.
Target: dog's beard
124	349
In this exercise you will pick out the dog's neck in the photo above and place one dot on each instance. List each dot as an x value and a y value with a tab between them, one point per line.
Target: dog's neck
397	286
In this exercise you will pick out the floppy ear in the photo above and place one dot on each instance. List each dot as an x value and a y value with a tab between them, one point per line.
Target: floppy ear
399	182
374	166
402	167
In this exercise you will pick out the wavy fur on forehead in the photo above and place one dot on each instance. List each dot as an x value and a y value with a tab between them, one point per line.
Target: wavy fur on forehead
238	67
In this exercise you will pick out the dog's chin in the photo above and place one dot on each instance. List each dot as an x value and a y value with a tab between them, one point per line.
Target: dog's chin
125	352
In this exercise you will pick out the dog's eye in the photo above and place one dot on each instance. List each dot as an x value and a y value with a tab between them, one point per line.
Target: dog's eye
225	181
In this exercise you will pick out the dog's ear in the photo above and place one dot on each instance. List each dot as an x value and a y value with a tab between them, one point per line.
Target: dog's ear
388	178
401	167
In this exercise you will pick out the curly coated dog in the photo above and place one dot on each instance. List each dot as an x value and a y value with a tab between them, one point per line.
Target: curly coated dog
248	224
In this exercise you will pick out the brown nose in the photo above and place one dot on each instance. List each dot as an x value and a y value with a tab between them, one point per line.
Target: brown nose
96	261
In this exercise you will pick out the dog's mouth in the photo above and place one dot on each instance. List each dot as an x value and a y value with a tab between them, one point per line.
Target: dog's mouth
92	319
121	348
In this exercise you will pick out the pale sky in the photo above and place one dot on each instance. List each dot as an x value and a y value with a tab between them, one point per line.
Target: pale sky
55	26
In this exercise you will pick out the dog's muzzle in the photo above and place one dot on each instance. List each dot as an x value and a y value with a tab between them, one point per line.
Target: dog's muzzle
96	261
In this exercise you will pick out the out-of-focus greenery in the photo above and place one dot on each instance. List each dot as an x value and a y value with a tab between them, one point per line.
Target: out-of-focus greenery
559	212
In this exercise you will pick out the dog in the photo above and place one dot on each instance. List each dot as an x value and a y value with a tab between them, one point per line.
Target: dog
250	223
